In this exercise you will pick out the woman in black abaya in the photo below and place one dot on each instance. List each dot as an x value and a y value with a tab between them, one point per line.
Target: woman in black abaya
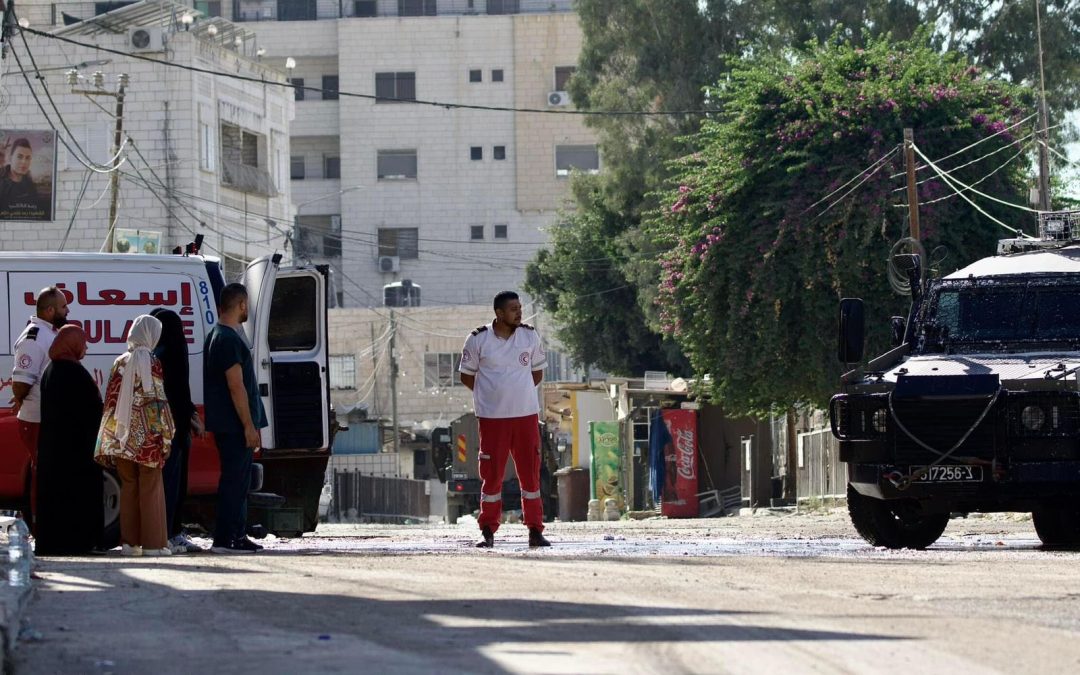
70	511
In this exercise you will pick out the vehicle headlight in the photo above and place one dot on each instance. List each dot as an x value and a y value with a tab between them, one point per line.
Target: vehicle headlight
880	420
1032	417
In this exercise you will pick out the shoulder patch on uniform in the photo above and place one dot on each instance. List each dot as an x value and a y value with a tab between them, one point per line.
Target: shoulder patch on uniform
480	329
32	333
525	325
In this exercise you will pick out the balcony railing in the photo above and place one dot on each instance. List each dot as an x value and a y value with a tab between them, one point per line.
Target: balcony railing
348	9
247	178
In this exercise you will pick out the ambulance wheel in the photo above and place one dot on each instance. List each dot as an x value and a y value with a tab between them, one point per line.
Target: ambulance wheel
1058	527
110	537
894	523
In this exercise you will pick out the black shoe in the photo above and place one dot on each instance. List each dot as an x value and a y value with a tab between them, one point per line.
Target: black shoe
536	539
488	540
232	548
247	545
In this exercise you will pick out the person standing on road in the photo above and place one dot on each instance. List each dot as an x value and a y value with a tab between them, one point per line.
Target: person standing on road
69	515
502	363
172	351
234	413
135	437
31	356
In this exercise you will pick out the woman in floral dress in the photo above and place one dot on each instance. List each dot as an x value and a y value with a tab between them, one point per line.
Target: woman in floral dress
136	432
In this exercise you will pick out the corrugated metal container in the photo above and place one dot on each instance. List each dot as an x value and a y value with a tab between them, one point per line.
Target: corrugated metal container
359	439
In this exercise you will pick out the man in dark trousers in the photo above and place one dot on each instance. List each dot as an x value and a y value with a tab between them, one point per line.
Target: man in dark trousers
502	363
234	412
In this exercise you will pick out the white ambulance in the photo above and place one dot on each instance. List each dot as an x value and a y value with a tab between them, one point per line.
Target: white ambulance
287	331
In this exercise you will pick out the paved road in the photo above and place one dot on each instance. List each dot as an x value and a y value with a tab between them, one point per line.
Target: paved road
741	595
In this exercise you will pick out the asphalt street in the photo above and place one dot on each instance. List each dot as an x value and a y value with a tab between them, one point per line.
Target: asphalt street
755	594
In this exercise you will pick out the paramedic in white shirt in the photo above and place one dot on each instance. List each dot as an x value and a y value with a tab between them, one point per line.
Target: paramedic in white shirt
31	357
502	363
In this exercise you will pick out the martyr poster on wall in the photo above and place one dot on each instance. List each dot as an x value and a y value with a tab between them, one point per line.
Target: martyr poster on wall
27	174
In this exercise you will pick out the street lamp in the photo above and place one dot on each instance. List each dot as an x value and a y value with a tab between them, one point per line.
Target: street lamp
328	196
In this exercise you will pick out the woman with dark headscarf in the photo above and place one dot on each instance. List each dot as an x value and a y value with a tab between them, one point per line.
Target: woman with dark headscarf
70	514
172	352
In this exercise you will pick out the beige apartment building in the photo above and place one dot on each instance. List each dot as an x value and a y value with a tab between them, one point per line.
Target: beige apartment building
457	200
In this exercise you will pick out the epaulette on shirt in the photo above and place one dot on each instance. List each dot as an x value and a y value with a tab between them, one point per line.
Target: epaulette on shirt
525	325
479	330
32	333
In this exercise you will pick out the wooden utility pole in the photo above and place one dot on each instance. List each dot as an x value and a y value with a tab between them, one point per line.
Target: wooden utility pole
912	187
1044	123
114	176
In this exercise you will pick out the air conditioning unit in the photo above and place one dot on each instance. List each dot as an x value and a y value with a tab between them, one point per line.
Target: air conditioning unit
146	39
389	263
558	98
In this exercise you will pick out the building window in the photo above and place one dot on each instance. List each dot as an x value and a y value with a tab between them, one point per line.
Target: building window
343	371
476	232
503	6
584	158
298	88
499	152
318	236
476	153
416	7
209	7
395	87
330	87
500	231
207	148
400	241
244	161
103	7
296	167
440	370
365	8
296	10
331	167
497	75
562	76
476	75
396	164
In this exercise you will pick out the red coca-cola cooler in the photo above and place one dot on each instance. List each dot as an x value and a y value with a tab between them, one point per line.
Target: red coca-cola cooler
679	499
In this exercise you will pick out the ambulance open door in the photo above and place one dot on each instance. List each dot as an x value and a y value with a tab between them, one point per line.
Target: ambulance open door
287	329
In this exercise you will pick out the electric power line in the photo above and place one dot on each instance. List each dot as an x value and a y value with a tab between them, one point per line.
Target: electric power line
372	97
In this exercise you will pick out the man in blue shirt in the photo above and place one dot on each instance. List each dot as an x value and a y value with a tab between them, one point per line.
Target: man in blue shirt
234	413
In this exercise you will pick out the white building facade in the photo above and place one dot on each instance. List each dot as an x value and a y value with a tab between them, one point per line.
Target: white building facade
202	154
456	200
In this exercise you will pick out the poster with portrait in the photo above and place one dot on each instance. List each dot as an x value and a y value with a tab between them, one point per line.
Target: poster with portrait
27	174
136	241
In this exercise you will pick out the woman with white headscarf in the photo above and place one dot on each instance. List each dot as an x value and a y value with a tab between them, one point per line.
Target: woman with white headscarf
136	432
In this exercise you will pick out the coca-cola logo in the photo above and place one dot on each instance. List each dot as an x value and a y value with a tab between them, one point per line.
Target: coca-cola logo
684	453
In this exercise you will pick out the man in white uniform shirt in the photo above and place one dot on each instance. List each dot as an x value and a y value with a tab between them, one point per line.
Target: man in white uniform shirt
31	357
502	363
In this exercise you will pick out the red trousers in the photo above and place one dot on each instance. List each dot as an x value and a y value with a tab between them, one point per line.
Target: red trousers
501	438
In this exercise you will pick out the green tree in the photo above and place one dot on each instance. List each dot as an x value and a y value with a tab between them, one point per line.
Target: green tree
637	55
595	308
755	266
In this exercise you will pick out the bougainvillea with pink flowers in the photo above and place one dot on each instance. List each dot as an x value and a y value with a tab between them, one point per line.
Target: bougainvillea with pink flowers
756	264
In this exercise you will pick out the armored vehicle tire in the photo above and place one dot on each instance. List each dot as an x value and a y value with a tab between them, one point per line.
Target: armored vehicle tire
1058	527
895	524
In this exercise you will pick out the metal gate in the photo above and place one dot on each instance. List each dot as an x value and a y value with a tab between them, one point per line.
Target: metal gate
377	499
821	474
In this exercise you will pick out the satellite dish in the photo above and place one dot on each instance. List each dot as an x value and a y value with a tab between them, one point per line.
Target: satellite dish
679	385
